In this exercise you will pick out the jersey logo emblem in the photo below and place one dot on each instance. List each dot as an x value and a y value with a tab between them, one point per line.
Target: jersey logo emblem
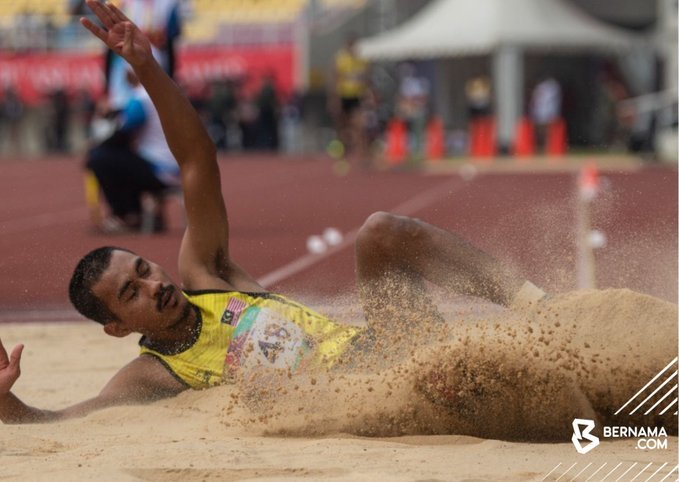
234	308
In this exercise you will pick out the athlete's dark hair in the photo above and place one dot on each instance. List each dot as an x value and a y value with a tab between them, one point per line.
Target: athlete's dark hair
86	274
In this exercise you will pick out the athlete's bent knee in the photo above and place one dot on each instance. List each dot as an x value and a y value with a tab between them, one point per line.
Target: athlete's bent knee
384	230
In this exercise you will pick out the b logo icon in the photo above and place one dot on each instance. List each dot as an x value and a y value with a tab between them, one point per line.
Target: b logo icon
578	436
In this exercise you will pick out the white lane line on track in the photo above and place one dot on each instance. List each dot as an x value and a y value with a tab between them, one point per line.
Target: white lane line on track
43	220
408	207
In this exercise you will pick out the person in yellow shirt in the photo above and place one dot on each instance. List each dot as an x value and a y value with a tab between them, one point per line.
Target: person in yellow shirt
220	321
351	83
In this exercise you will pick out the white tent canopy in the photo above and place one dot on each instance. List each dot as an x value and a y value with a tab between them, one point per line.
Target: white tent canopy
450	28
503	29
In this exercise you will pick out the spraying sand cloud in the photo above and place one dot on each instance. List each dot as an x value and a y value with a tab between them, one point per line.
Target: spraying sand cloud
517	375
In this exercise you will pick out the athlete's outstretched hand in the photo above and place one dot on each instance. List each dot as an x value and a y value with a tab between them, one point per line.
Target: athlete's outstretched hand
9	368
119	33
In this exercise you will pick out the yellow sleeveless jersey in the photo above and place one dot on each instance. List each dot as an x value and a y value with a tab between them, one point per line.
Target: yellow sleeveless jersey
249	331
351	74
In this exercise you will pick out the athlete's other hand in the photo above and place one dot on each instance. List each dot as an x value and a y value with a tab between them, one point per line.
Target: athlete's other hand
9	368
119	33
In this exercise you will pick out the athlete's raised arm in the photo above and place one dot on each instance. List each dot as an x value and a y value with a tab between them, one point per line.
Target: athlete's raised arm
204	260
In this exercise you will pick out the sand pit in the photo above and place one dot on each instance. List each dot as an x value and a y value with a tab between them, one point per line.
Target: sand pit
501	375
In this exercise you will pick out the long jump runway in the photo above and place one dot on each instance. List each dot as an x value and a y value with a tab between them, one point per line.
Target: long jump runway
527	218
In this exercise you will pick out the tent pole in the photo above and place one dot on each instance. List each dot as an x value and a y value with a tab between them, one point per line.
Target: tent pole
508	88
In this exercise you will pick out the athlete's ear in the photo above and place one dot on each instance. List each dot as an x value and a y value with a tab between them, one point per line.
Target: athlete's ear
115	328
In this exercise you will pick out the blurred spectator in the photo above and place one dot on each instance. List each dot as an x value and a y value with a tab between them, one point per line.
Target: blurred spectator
268	113
11	116
247	123
221	111
141	117
59	118
612	128
51	32
545	108
160	20
198	94
292	140
135	160
25	31
70	32
351	81
85	108
103	124
77	8
371	119
478	93
413	105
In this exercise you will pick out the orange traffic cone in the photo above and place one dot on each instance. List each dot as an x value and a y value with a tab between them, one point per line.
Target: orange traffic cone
436	139
524	145
397	142
482	137
557	144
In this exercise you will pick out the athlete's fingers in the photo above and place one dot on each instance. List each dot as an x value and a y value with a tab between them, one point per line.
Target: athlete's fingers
15	357
3	356
95	29
117	14
102	12
127	39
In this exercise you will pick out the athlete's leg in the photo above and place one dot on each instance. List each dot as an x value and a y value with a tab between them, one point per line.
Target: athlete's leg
396	254
357	137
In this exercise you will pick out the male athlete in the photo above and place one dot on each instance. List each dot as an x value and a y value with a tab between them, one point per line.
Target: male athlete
202	333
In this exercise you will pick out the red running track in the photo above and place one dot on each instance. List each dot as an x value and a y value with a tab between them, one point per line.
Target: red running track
275	203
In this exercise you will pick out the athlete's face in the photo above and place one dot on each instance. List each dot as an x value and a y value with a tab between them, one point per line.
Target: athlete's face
141	295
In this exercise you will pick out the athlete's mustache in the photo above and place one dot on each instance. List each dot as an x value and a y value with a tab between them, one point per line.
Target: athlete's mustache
165	292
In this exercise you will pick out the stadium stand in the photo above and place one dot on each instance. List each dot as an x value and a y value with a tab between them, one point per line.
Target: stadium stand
10	10
208	21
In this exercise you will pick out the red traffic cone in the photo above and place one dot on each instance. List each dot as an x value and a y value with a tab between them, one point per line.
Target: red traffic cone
436	139
557	143
397	142
482	135
524	145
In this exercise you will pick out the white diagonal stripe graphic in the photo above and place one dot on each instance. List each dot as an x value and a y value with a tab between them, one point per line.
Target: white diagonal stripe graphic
625	472
670	473
649	383
653	474
655	391
668	407
550	472
567	470
596	471
614	469
578	474
672	390
642	471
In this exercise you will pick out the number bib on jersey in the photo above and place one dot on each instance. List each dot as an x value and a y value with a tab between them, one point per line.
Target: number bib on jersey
264	339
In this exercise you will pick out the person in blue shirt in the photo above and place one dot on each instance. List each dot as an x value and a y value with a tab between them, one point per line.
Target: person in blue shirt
135	161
